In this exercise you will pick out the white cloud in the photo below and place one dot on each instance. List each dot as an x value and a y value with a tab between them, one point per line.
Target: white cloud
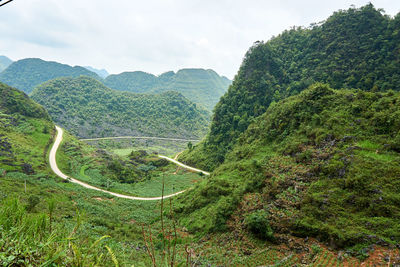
154	36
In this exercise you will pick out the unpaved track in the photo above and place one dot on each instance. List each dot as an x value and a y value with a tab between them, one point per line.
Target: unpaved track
140	137
56	170
183	165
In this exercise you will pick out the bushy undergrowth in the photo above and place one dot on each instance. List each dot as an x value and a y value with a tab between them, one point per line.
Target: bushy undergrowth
28	239
354	48
258	223
326	163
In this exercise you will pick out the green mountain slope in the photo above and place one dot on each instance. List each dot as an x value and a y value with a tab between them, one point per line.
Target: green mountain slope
24	132
356	48
201	86
87	108
27	73
4	62
323	164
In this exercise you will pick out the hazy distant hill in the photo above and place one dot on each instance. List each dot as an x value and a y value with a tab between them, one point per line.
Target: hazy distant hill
4	62
87	108
199	85
27	73
135	82
102	73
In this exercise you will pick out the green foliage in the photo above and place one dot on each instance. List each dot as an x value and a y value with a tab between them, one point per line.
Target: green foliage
135	82
25	241
23	140
26	74
47	221
355	48
87	108
139	174
14	101
257	222
190	146
323	169
203	87
32	203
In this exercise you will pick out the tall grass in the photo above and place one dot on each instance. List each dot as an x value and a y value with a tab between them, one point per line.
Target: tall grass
30	239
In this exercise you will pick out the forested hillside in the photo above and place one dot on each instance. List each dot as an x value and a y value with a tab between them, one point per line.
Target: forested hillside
201	86
87	108
323	164
355	48
4	62
27	73
24	129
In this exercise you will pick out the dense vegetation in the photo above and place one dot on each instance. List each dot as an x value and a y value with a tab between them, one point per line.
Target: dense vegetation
356	48
201	86
4	62
46	221
324	164
135	82
24	131
27	73
13	101
299	165
87	108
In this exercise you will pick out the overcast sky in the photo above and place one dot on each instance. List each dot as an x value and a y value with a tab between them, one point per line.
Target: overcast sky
155	36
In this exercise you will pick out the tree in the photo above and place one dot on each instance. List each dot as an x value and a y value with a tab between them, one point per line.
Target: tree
190	146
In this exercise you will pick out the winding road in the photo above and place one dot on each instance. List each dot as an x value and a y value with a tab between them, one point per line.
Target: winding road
140	137
57	171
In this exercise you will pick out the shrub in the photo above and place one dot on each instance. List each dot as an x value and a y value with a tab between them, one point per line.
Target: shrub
257	222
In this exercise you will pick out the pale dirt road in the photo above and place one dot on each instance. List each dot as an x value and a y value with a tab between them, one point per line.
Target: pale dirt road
57	171
140	137
183	165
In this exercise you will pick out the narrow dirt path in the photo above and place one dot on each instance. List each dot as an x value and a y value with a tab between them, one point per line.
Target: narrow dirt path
183	165
59	173
139	137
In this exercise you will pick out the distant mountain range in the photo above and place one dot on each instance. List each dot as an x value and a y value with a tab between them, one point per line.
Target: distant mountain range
26	74
102	73
4	62
201	86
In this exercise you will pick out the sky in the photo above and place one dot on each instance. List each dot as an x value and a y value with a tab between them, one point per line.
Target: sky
155	36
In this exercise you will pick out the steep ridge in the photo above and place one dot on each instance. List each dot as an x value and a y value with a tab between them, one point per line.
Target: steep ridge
354	48
24	132
26	74
323	164
87	108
